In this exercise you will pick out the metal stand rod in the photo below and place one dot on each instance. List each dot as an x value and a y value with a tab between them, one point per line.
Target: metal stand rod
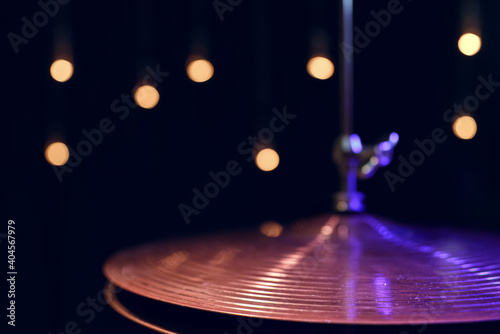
353	160
347	71
349	183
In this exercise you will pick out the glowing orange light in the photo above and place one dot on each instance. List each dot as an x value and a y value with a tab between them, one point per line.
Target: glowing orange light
465	127
320	68
57	154
200	70
469	44
61	70
267	160
271	229
146	97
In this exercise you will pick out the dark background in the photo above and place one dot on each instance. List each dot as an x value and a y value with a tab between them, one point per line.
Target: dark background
127	191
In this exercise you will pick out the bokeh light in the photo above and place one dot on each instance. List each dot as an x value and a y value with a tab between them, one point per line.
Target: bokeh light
61	70
271	229
320	68
57	154
465	127
267	159
146	97
469	44
200	70
326	230
342	206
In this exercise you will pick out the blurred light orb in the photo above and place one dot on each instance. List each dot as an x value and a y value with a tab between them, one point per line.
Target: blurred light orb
465	127
271	229
267	160
200	70
469	44
61	70
146	97
342	206
320	68
57	154
326	230
366	169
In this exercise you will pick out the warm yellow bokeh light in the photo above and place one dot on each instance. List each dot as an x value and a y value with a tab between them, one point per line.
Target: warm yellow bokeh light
146	97
57	154
267	159
61	70
342	206
465	127
469	44
320	68
200	70
271	229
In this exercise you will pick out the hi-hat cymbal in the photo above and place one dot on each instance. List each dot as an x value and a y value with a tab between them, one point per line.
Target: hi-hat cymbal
329	269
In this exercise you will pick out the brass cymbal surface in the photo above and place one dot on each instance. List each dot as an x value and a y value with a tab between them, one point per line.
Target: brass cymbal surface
357	269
